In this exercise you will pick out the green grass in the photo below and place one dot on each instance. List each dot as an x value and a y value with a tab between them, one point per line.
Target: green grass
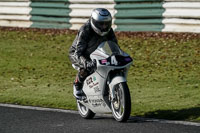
164	80
35	69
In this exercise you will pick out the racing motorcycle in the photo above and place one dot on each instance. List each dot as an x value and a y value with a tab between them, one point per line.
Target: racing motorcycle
106	89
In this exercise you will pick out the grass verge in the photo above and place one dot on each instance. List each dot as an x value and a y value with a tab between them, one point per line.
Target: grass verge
164	80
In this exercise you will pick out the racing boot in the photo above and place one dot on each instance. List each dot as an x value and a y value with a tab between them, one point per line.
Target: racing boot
77	90
78	84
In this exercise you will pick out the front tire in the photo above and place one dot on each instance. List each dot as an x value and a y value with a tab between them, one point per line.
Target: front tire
84	111
121	104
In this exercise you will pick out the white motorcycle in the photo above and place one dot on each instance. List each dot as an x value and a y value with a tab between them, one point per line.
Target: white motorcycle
106	90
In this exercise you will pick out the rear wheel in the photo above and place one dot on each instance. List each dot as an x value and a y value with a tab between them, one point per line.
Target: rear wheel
84	111
121	103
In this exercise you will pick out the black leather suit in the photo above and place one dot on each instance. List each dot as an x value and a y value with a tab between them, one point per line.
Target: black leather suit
87	41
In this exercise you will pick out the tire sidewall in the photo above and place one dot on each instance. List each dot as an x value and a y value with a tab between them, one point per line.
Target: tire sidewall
88	115
127	103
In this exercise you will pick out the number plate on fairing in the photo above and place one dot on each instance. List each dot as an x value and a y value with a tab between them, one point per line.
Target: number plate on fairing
116	60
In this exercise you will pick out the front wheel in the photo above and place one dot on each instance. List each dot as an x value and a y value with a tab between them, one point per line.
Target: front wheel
84	111
121	103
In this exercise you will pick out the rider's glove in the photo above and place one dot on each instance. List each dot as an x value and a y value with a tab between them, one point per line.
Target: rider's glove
90	65
87	64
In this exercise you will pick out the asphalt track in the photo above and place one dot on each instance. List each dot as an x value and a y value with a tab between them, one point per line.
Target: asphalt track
22	119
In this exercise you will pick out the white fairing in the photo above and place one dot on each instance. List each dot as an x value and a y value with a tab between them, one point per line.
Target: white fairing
116	80
95	85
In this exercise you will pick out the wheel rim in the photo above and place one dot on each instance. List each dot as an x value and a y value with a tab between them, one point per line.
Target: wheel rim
118	102
82	109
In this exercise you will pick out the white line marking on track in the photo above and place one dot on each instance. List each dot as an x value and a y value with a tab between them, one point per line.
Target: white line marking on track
38	108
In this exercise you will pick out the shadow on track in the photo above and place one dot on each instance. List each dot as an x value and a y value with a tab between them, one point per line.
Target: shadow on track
183	114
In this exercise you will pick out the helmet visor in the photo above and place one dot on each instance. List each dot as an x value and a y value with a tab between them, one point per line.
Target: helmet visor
103	26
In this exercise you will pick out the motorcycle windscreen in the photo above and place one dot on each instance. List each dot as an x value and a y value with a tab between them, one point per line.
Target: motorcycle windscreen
110	48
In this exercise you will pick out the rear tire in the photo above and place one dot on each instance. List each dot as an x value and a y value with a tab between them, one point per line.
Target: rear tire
121	104
84	111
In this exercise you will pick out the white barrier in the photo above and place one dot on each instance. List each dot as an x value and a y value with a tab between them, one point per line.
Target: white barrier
166	16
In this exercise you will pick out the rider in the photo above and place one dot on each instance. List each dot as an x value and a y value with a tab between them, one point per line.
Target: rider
95	31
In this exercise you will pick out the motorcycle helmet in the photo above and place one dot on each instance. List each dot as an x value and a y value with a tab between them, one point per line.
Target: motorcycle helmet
101	21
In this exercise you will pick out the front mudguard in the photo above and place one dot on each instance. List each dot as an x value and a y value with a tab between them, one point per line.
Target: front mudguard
116	80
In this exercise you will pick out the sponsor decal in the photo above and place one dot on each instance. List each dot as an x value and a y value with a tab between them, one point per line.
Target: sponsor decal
90	82
94	78
97	102
93	85
96	89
